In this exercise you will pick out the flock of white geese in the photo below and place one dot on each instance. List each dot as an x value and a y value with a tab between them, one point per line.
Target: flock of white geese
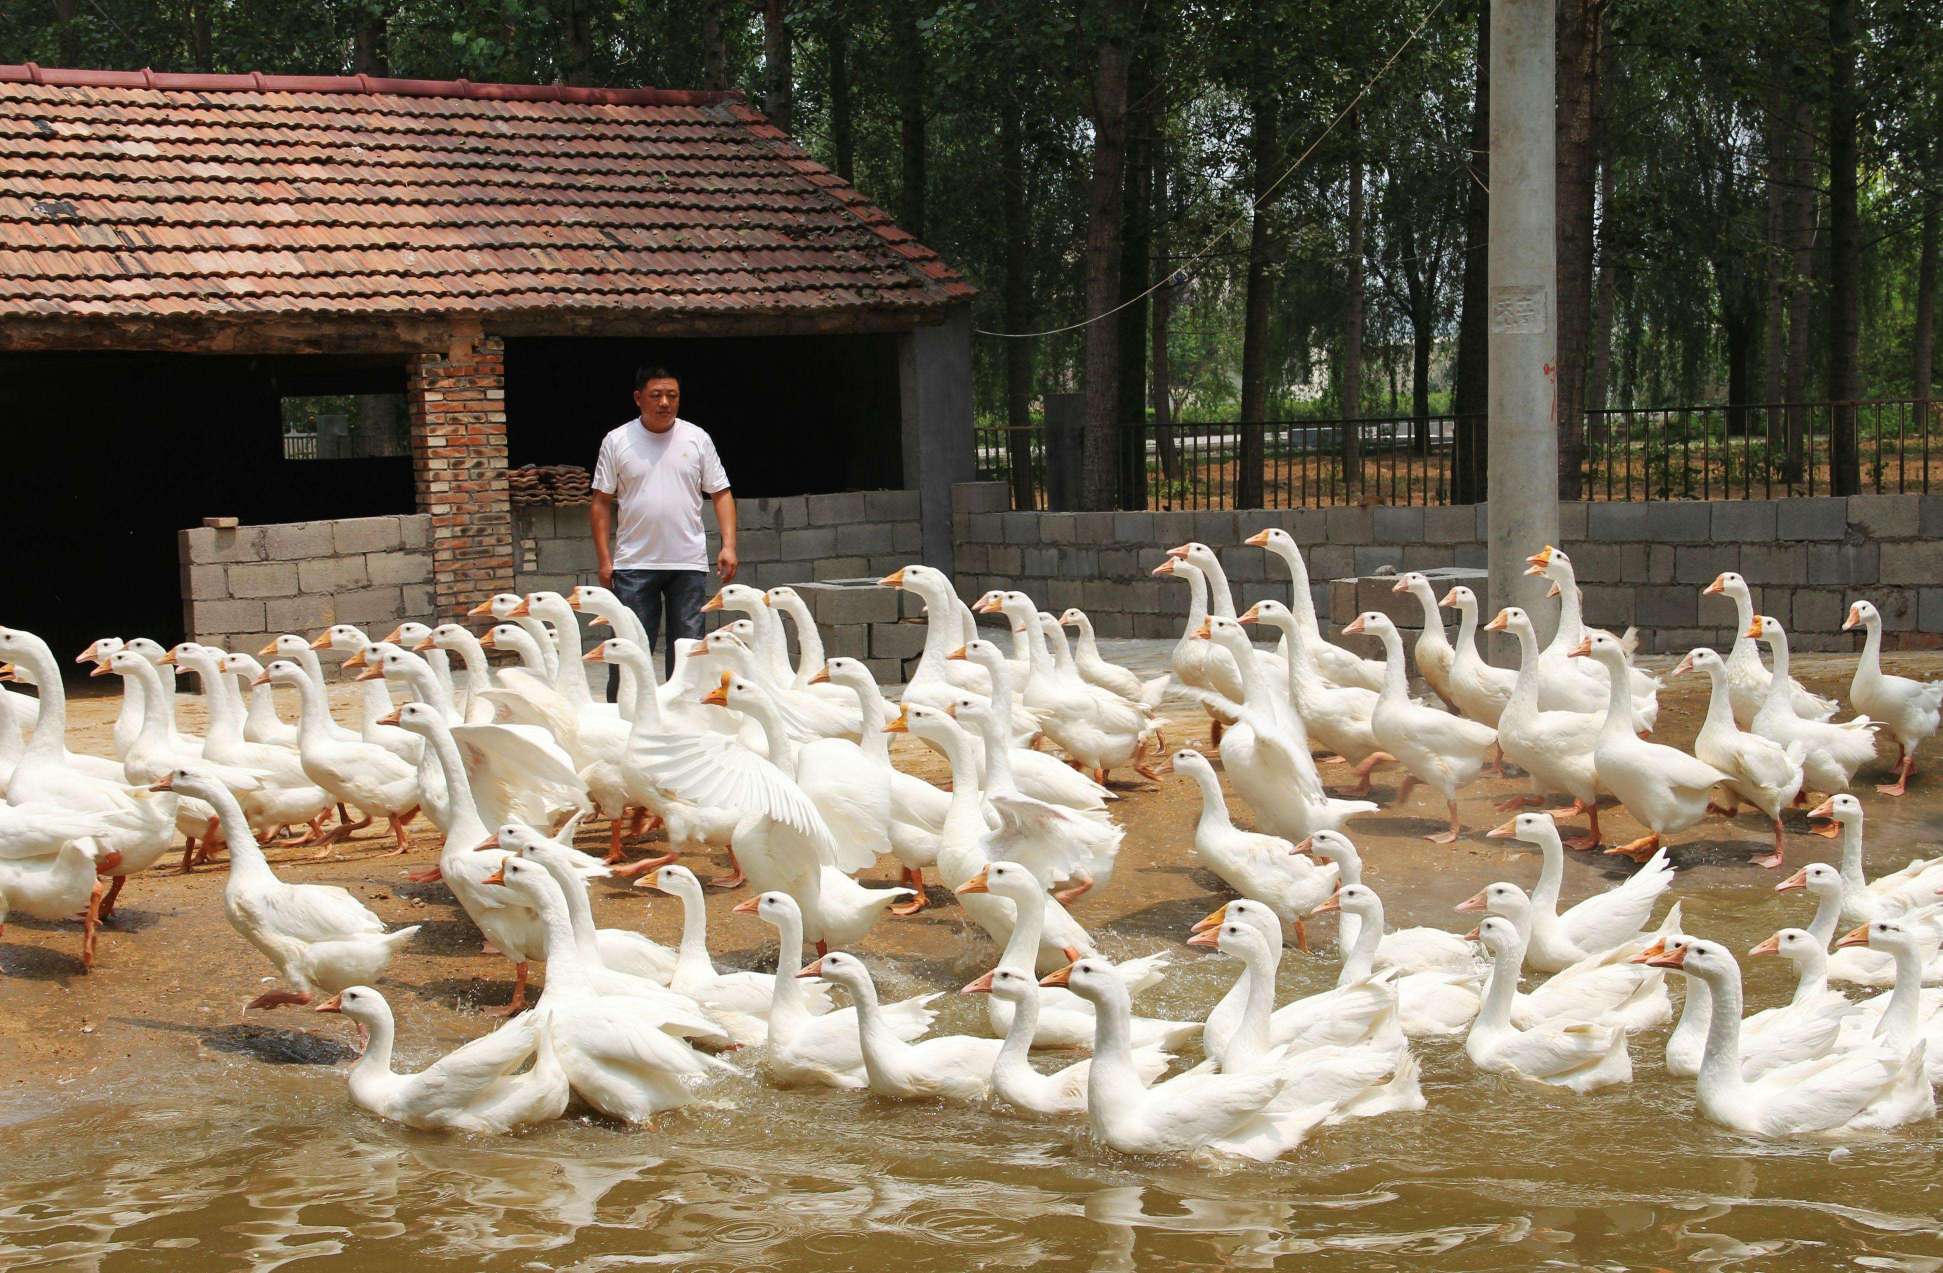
786	766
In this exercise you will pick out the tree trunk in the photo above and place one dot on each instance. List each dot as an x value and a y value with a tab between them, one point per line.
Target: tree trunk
1099	463
1353	298
1801	289
1598	380
910	107
778	65
69	34
1578	76
1253	451
836	37
1738	328
1018	306
1469	393
1136	245
202	52
1163	369
1925	335
1423	331
1774	298
1845	256
715	52
579	61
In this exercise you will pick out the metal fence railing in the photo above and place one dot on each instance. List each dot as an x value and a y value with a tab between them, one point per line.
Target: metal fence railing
1759	451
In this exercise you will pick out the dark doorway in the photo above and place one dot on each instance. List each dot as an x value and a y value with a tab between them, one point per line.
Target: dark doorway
790	415
111	454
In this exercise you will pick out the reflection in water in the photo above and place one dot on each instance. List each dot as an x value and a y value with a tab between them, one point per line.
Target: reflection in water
250	1165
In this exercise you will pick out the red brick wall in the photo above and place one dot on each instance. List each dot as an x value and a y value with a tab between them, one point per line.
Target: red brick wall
458	410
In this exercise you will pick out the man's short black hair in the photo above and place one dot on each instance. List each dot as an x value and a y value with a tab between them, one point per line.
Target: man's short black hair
652	371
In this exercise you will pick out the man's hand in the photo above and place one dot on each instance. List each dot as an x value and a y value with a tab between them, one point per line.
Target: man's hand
726	563
607	575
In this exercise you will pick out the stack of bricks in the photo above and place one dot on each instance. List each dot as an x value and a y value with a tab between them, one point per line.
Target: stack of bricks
243	585
458	414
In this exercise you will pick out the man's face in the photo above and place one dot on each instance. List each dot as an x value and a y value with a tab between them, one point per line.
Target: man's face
659	400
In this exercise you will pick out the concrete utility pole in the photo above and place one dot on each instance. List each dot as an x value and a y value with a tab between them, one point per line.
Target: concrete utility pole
1522	274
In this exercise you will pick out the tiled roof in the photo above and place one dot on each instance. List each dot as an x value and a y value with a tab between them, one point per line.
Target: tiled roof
136	194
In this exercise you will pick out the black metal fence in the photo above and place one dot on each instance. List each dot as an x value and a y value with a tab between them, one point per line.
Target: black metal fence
1763	451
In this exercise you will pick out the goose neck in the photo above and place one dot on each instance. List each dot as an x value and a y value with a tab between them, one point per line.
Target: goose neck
1828	914
1250	1041
380	1034
1301	603
467	829
809	641
1720	706
1524	689
693	953
1901	1019
1395	678
1361	960
1221	598
1869	669
1500	989
1720	1062
1028	923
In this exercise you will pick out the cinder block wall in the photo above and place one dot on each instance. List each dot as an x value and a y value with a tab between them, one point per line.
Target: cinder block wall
242	587
1638	564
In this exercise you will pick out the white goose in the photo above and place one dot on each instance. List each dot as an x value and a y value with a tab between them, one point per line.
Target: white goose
1606	987
1664	788
1890	896
1594	925
1580	1056
935	681
1337	664
54	886
1196	664
1860	965
1221	601
917	808
1433	650
747	994
1833	752
374	700
1429	1004
1778	1040
317	936
153	755
355	772
1747	677
1867	1087
1014	1080
809	1049
477	1087
616	949
1759	770
1911	709
1263	868
1901	1022
1478	690
1554	747
951	1067
1099	729
506	607
1335	716
1039	774
1095	670
1644	690
284	794
1440	750
1420	949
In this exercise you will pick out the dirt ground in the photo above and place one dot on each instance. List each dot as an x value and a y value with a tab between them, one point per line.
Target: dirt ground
171	977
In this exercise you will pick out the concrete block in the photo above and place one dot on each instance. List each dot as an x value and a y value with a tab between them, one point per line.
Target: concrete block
1744	521
887	672
1250	520
1246	566
1844	565
1128	563
987	528
563	556
1929	612
308	614
980	497
1886	516
1007	560
1916	562
973	557
1817	610
1308	525
263	579
896	640
532	522
1078	561
1093	528
211	617
1609	562
1679	522
847	640
1698	564
577	522
1020	527
1368	558
1342	604
1473	556
790	512
1134	528
807	543
332	574
1449	525
1665	607
1176	526
1057	528
826	568
1154	627
398	567
1929	518
1775	563
1426	556
1348	525
1330	561
838	509
891	506
204	546
758	545
1899	609
1040	563
865	538
1397	525
1607	605
204	583
1626	522
1112	624
415	601
1659	563
1217	528
907	540
365	534
1571	521
1805	518
293	541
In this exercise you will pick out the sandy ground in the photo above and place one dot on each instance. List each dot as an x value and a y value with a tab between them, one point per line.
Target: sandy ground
171	978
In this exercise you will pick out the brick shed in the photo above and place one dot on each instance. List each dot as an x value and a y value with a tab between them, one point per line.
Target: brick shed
296	299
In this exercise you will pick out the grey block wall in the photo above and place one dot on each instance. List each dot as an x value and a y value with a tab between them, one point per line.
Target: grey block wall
1638	564
242	587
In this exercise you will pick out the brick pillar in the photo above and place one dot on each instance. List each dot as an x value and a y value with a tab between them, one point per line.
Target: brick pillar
458	409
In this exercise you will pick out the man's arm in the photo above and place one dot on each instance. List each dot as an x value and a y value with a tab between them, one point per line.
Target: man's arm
726	561
601	518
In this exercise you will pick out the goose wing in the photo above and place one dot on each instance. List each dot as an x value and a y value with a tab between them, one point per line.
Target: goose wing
718	772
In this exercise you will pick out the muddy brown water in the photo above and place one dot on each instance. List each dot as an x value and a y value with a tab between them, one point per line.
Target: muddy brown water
145	1125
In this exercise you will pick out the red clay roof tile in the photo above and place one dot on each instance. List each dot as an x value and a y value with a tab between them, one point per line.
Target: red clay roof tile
125	193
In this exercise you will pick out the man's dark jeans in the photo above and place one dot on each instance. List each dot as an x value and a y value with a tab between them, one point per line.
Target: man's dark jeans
648	593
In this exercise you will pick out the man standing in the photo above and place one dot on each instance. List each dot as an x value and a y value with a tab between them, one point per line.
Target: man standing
658	467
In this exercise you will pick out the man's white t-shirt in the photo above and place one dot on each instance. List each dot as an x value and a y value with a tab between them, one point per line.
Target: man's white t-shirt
659	480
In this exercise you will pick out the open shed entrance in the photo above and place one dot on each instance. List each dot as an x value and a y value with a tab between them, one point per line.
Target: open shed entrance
110	454
790	415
